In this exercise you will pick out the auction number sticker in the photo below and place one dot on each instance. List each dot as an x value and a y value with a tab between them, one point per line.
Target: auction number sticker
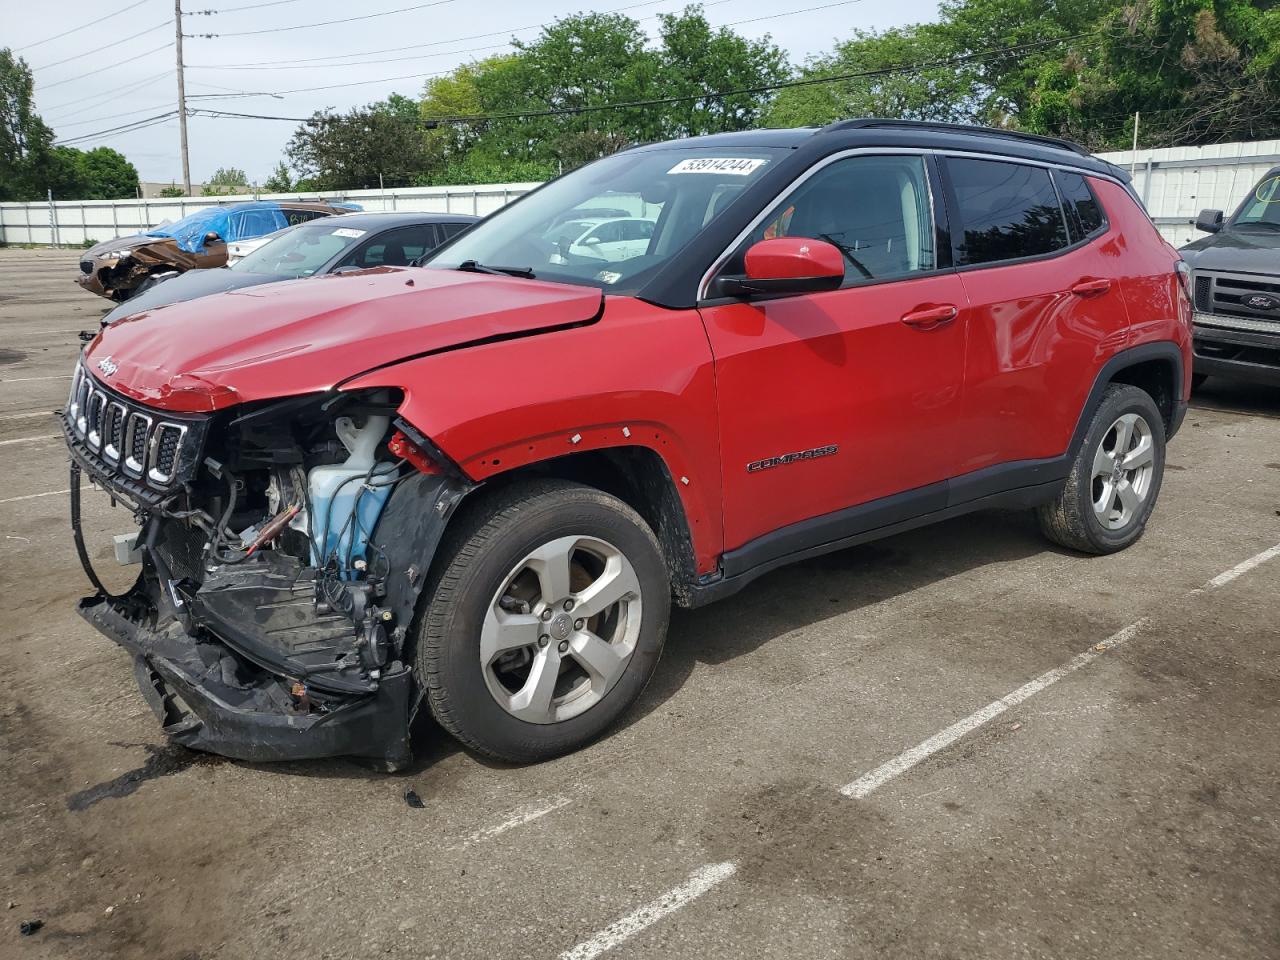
351	232
739	166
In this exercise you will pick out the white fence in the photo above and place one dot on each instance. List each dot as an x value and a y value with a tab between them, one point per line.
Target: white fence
71	223
1175	183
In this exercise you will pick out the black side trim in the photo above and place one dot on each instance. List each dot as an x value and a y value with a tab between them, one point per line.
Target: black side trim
1022	497
1163	350
797	538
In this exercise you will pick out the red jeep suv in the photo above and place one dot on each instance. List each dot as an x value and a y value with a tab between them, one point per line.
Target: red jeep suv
479	486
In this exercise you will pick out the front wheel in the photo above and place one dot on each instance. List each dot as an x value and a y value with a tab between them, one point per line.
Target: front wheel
1115	478
546	622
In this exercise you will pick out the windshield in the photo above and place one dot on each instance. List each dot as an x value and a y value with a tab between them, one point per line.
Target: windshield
1262	207
613	223
300	251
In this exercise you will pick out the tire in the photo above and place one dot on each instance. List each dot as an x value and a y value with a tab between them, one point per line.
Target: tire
1093	513
499	583
1197	381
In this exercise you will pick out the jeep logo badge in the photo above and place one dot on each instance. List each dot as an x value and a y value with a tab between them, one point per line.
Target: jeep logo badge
1261	301
108	366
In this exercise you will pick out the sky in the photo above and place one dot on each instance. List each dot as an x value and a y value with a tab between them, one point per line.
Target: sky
121	70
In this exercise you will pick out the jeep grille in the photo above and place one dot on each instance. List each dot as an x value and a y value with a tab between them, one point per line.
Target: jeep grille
144	452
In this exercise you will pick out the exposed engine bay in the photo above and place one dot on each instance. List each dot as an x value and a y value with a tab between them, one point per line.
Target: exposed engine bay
282	558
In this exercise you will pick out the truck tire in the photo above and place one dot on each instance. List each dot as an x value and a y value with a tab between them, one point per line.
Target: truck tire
546	619
1115	478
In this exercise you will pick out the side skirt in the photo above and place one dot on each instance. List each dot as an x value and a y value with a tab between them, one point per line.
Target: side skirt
1008	486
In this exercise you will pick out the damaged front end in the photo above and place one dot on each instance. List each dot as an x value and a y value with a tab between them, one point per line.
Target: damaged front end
283	548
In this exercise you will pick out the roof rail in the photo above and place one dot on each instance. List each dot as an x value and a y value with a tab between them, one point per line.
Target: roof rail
864	123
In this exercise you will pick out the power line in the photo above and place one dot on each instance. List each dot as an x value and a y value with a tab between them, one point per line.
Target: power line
323	23
109	66
706	95
246	6
422	46
104	95
83	26
124	128
105	46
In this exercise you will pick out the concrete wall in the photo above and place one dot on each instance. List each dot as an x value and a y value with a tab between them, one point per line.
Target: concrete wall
70	223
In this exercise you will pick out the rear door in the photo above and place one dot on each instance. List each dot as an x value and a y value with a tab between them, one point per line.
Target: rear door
1047	308
836	399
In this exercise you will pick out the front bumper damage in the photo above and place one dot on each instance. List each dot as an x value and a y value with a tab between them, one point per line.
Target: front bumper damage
244	661
208	698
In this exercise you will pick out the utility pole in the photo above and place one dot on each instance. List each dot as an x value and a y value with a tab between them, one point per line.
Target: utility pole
182	97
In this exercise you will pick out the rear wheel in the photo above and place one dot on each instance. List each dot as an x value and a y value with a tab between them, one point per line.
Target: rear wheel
1115	479
546	621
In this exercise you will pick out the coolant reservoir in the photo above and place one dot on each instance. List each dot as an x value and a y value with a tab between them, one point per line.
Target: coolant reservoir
346	499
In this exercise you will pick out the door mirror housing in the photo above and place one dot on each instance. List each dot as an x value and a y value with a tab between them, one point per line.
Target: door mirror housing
1210	221
212	237
787	265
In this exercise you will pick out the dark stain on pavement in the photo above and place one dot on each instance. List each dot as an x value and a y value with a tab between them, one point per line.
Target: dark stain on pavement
163	761
8	355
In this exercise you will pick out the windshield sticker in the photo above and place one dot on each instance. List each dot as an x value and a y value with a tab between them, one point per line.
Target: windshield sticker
608	276
349	232
739	166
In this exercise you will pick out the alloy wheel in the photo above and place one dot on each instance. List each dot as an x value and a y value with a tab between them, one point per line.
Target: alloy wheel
1123	467
561	630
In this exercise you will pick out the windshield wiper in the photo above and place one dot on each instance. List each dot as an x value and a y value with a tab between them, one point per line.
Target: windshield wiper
471	266
1269	224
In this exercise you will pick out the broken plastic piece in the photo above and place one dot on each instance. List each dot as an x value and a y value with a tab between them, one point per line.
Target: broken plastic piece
412	799
28	927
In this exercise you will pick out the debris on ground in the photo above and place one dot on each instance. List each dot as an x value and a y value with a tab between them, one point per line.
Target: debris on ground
412	799
28	927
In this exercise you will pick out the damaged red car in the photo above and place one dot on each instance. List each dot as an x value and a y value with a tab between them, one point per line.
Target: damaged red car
476	488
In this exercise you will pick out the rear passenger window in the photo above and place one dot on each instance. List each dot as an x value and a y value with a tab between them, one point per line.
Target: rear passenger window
1007	211
1082	207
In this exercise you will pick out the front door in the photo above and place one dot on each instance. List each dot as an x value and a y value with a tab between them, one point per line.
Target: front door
832	400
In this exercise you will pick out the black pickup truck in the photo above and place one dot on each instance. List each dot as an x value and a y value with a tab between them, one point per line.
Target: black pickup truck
1236	277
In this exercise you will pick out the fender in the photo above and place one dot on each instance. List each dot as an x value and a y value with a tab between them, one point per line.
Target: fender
640	377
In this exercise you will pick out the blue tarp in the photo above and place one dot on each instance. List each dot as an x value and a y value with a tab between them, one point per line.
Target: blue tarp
238	221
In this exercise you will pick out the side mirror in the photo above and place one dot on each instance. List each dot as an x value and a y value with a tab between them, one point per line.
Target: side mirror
787	265
1210	221
212	237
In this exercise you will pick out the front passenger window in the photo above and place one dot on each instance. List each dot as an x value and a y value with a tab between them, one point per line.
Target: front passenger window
875	210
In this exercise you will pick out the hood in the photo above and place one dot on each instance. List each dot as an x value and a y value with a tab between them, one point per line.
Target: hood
187	286
132	242
1238	251
303	336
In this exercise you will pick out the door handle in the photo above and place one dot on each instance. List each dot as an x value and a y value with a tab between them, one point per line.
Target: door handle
1089	288
930	318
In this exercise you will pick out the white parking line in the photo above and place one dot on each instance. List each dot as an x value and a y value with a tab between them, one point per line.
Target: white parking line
903	762
35	496
1243	567
62	376
517	819
47	436
28	416
702	880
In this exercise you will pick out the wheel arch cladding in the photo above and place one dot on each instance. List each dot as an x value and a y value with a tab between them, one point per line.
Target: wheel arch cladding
639	477
1156	371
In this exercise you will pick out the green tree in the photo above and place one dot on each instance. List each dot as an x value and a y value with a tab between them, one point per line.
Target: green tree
225	181
694	59
349	151
105	174
279	181
26	143
172	191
